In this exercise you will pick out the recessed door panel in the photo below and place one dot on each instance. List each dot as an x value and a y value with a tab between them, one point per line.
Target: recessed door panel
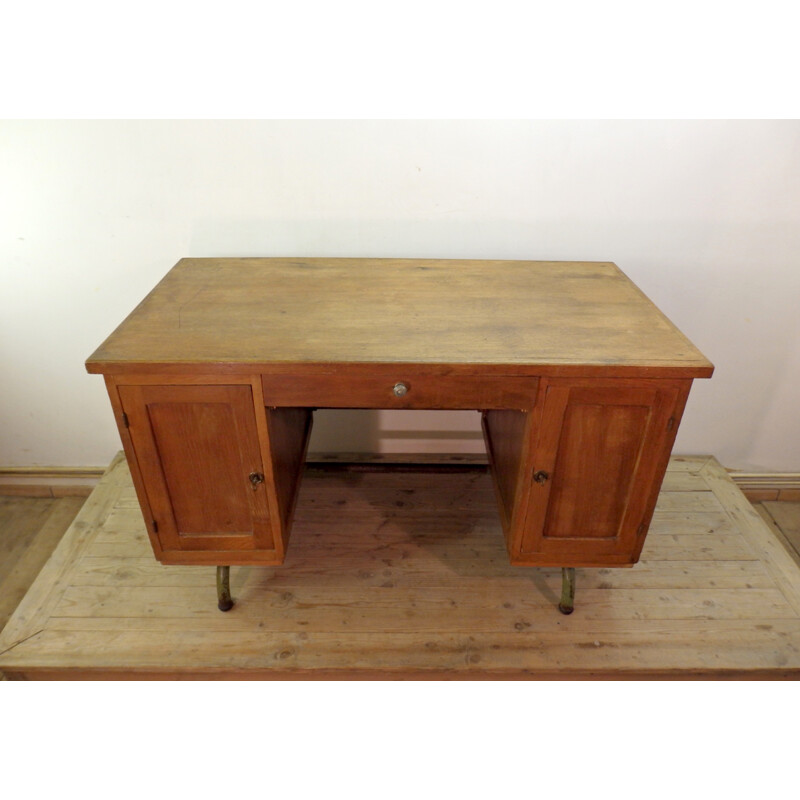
594	469
198	446
598	461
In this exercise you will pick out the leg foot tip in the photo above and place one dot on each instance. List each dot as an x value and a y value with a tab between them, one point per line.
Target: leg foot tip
225	606
565	609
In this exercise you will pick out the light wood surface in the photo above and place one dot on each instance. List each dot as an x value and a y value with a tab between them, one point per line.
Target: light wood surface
49	481
785	517
319	312
406	575
30	528
21	518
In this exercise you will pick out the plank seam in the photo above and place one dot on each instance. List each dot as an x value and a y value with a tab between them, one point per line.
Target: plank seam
79	536
773	525
749	522
692	659
21	641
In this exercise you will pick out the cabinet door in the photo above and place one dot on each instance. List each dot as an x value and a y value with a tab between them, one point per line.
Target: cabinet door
196	447
598	461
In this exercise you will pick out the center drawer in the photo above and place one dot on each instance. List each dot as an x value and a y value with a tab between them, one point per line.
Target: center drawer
390	387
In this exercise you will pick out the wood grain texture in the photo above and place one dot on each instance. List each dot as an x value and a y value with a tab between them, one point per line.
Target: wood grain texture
38	602
406	576
289	335
426	388
759	538
29	532
601	451
507	437
21	519
289	432
253	312
196	447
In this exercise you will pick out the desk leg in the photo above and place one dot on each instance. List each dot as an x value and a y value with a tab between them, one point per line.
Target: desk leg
224	601
567	604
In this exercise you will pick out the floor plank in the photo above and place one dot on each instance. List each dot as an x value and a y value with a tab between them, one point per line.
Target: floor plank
406	575
37	549
759	537
20	521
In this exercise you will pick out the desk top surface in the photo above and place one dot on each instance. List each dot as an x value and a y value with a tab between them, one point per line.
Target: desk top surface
519	314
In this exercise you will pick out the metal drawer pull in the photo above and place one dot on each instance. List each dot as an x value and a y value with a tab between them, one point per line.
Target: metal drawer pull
400	389
255	479
541	476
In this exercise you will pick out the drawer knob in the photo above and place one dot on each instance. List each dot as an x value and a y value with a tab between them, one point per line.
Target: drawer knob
399	389
541	476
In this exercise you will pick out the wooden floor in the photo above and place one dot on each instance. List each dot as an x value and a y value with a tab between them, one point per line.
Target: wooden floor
783	519
30	529
405	575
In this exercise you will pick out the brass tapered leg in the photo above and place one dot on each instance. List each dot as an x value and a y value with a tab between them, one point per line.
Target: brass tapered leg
224	601
567	604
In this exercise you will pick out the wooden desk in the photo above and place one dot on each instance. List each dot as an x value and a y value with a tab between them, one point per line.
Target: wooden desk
580	379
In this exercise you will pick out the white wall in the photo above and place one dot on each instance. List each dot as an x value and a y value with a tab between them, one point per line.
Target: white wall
704	216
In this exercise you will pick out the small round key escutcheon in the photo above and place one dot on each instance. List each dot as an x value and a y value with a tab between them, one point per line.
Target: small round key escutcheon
255	478
541	476
399	389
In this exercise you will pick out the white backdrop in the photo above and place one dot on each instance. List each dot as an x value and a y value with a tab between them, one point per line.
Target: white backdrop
703	216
